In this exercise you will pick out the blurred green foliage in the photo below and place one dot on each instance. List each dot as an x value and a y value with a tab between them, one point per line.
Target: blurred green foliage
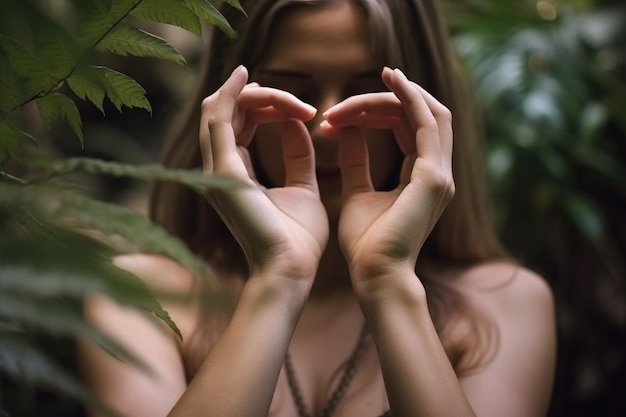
57	242
550	77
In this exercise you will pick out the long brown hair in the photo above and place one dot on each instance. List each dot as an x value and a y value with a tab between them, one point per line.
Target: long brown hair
408	34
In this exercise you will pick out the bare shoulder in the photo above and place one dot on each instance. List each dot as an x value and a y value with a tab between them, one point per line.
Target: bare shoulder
158	272
505	285
178	290
147	338
200	314
173	286
519	304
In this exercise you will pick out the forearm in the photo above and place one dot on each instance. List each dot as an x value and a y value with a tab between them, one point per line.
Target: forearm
238	377
419	378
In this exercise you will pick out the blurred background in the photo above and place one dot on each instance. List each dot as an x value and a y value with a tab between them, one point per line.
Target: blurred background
551	80
550	77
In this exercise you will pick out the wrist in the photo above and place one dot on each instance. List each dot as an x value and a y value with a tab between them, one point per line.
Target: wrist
269	289
400	287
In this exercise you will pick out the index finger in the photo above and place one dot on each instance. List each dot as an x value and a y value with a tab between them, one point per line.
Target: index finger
217	117
427	136
269	103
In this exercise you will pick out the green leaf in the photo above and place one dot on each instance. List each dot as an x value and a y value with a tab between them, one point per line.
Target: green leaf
194	179
45	278
54	107
103	7
10	137
35	77
115	220
87	83
80	264
99	16
144	299
233	3
208	12
9	86
122	90
169	12
57	50
20	359
56	317
131	41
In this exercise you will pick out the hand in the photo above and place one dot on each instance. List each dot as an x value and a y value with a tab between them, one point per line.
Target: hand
282	230
383	232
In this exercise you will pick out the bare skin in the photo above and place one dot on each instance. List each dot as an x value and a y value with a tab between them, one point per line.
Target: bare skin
327	250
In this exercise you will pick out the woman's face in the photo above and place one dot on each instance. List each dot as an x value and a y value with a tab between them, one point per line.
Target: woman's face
322	55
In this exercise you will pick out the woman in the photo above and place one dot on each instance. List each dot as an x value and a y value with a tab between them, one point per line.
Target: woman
367	281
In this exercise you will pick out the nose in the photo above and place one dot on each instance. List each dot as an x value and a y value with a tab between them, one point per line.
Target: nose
326	99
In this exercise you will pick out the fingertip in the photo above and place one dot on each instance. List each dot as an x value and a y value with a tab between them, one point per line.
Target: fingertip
240	74
303	112
312	111
328	113
399	73
240	69
387	77
328	129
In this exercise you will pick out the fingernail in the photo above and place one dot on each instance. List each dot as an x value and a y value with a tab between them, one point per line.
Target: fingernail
399	72
329	110
329	129
311	108
239	68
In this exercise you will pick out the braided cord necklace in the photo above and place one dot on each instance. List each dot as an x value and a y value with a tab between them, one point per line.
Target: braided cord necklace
342	387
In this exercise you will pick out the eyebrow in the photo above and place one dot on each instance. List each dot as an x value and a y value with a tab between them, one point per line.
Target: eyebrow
297	74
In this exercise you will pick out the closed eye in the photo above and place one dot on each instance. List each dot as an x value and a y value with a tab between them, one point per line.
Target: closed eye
363	84
299	84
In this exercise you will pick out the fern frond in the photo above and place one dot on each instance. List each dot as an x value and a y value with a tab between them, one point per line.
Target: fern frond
87	84
194	179
122	90
115	220
35	78
57	50
98	17
79	262
169	12
10	137
140	296
20	359
10	85
56	317
233	3
127	40
43	279
56	106
208	12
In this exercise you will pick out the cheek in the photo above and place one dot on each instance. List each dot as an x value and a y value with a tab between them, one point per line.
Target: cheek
267	155
385	159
